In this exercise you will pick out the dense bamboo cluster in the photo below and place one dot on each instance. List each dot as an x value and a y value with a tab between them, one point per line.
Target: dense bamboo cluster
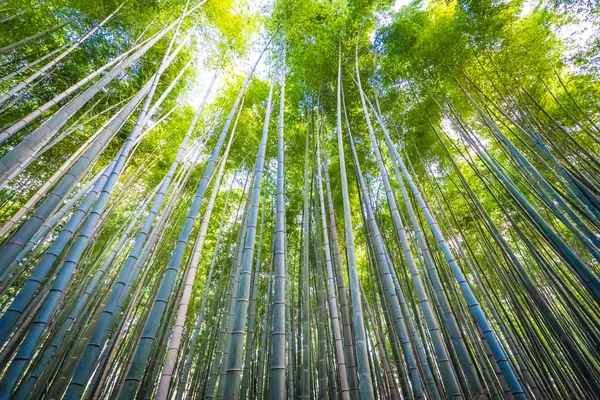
283	241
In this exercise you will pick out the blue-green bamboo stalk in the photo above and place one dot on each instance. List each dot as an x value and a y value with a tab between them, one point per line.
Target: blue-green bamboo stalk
590	280
252	311
189	277
115	299
41	135
28	385
154	238
291	382
47	227
554	324
18	240
12	315
474	306
347	335
333	306
591	203
587	205
82	240
151	326
323	379
555	202
305	268
124	283
232	298
333	382
72	259
379	344
217	365
439	294
235	350
450	382
262	353
362	358
200	317
277	381
421	353
388	283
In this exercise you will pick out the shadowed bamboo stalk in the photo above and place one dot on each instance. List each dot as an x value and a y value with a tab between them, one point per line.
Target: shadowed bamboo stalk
450	382
16	242
41	235
175	340
388	285
42	191
277	381
477	312
362	360
151	244
25	158
107	318
476	283
144	347
252	326
347	335
332	298
440	296
82	301
74	256
235	350
200	318
10	318
84	162
35	140
323	376
305	272
217	366
38	112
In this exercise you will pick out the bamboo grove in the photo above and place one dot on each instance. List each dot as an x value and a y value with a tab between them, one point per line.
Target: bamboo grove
336	199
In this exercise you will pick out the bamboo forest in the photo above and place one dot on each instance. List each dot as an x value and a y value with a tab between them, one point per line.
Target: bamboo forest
299	199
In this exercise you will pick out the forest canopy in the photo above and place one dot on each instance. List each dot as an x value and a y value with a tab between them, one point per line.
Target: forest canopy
332	199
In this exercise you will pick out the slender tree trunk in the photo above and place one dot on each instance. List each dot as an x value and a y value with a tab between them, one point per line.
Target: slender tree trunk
388	285
347	334
233	363
432	273
248	358
474	306
305	322
12	161
333	306
363	369
190	276
450	382
278	350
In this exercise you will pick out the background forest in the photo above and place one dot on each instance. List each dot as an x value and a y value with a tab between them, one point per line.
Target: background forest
332	199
